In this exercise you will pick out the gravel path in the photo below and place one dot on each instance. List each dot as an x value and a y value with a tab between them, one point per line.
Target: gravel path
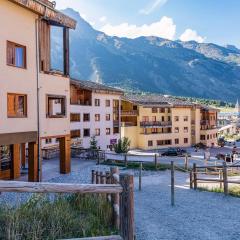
196	216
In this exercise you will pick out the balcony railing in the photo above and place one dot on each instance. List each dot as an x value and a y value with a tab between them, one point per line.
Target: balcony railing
129	113
156	133
128	124
156	124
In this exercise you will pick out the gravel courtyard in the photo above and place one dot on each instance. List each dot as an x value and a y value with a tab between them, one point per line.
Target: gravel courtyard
196	216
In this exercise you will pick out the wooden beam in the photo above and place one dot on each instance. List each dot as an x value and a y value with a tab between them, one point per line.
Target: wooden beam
65	154
31	187
21	137
16	162
23	155
66	51
33	174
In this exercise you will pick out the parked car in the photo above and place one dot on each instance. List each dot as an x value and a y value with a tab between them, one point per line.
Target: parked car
222	156
175	152
221	142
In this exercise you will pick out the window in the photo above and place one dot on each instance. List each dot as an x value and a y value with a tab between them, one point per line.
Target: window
97	132
208	137
56	106
185	140
176	141
135	108
75	133
16	55
115	130
154	130
176	118
97	117
176	130
86	132
108	131
185	118
75	117
48	140
145	119
168	142
169	118
108	103
108	117
202	137
154	110
97	102
163	118
154	118
17	105
86	117
169	110
185	129
159	142
150	143
162	110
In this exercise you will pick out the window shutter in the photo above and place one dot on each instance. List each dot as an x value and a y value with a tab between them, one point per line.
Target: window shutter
11	101
10	53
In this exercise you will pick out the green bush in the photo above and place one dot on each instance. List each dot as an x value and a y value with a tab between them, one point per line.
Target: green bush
57	217
123	145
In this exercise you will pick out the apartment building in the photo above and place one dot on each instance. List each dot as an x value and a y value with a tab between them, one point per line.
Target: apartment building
154	122
95	111
30	88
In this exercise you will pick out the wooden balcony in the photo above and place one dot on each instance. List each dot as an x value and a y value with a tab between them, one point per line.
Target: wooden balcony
129	124
129	113
156	124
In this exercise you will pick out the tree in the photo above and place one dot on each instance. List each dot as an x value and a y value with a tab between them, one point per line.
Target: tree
123	145
93	143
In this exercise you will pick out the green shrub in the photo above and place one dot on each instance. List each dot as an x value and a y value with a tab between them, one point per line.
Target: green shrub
123	145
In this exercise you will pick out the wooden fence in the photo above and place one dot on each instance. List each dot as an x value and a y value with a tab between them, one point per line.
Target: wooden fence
120	188
196	175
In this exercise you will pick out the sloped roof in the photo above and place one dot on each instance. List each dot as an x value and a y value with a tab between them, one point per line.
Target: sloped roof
47	10
93	86
156	100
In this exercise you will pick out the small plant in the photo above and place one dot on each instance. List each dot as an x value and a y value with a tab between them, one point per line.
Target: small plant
123	145
93	143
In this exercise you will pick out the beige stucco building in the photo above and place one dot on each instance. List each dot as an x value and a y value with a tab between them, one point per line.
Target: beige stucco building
29	88
154	122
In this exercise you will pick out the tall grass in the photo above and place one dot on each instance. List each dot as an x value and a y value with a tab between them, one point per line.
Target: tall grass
57	217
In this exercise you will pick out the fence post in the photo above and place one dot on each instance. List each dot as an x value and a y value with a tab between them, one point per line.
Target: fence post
221	178
195	176
190	179
127	207
98	158
93	177
155	161
140	177
115	198
125	159
225	178
108	181
172	184
186	162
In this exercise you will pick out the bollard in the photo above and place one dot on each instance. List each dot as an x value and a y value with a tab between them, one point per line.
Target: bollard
93	177
125	160
155	161
186	162
195	176
225	179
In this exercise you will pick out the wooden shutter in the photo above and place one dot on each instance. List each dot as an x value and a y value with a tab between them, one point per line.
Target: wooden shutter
44	46
11	105
10	53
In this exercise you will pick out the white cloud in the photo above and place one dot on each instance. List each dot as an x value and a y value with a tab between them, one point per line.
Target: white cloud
103	19
149	9
191	35
164	28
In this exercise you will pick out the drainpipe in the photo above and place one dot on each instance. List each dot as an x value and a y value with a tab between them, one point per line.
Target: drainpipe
38	108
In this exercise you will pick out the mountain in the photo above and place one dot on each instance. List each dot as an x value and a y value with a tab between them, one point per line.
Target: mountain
152	64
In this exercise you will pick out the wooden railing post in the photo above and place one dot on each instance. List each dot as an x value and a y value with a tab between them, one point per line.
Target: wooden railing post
195	176
225	179
125	160
140	176
93	177
186	162
155	161
115	198
172	184
127	207
108	181
190	179
221	178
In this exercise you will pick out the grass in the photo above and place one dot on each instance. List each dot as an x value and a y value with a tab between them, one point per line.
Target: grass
233	191
57	217
135	165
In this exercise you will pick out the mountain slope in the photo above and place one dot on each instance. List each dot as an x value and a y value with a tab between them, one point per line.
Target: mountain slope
153	64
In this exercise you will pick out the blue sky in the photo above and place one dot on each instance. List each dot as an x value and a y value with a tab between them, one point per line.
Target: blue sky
214	21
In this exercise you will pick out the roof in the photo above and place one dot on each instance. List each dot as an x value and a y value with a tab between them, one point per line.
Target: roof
208	108
47	10
97	87
156	100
